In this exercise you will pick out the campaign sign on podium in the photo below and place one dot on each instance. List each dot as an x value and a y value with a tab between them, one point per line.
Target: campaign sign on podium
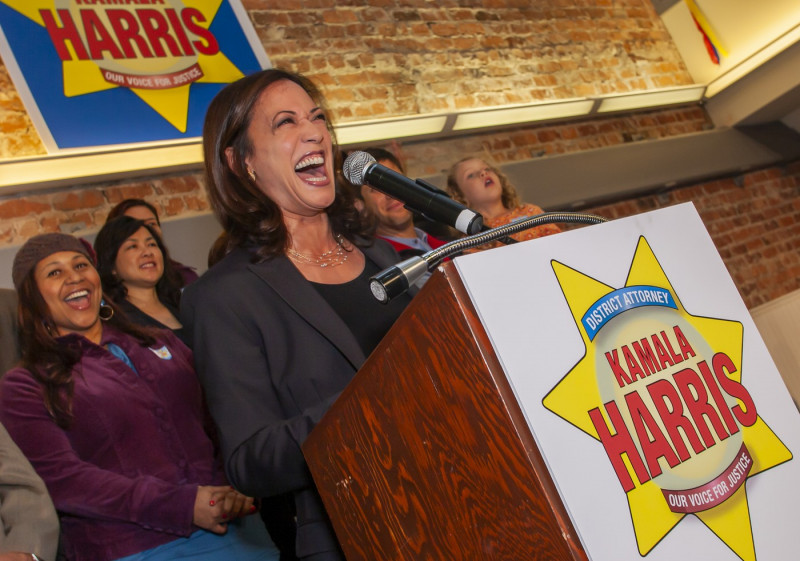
663	421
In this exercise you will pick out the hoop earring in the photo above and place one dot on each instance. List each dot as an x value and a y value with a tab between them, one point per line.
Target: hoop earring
252	174
106	312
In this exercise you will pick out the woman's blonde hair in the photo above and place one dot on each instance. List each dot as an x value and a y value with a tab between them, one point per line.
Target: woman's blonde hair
509	196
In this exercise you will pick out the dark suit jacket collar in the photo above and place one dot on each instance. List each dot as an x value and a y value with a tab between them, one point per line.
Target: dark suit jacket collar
291	286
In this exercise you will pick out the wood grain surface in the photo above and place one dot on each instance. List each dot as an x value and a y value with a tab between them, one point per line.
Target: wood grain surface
426	455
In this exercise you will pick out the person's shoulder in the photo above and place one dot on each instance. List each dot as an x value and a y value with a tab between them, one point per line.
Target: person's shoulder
236	259
435	242
16	373
230	267
395	243
16	378
232	281
382	252
382	244
8	299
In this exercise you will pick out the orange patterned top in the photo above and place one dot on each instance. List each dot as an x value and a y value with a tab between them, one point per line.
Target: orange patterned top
523	211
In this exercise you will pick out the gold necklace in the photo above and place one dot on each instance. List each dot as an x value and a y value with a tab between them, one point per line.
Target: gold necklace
331	258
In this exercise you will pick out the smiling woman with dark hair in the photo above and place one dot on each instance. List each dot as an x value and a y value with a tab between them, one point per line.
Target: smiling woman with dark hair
147	213
283	321
137	274
111	417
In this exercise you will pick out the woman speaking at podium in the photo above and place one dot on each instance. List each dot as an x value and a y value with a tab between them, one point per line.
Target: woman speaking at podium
281	324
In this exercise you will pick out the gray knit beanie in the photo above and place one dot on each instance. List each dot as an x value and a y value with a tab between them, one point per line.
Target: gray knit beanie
41	246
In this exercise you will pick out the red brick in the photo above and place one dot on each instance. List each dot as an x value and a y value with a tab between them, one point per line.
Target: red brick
29	228
16	208
174	206
196	203
49	223
115	195
77	200
339	16
171	185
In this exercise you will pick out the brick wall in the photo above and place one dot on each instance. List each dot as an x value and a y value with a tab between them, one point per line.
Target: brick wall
86	207
403	57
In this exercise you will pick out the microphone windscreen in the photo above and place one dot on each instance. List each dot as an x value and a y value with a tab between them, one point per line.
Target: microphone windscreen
355	165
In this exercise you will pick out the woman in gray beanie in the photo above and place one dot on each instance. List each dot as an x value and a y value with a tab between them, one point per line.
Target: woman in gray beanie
111	417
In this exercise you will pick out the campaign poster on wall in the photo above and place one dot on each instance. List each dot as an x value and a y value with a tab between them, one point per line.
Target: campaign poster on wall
118	72
661	416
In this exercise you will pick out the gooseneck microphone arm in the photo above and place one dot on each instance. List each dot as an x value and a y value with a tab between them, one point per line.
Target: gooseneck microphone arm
395	280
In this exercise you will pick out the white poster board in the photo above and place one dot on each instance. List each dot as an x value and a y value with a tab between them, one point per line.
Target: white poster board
634	329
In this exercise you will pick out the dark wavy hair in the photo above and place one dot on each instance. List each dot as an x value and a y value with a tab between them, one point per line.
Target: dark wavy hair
122	207
51	361
509	195
107	243
247	215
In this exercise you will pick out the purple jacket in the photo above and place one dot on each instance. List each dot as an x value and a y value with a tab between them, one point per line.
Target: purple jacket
124	476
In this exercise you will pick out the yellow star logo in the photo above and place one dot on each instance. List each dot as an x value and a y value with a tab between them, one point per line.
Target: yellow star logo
662	391
156	49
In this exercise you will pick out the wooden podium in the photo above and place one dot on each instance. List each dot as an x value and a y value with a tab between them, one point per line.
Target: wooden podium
427	456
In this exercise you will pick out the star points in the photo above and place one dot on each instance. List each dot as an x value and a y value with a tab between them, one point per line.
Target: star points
662	390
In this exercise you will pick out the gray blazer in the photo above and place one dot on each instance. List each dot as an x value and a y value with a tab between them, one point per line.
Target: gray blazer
9	337
272	356
28	521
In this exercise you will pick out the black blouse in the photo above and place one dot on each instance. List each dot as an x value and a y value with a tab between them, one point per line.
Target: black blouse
137	316
368	319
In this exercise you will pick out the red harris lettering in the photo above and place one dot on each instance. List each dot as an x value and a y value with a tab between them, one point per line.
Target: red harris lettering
691	407
127	33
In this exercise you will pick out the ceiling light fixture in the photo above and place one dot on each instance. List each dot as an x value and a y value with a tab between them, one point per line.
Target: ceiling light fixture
518	114
387	129
651	98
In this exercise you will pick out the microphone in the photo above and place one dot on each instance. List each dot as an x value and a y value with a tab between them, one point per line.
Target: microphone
395	280
360	168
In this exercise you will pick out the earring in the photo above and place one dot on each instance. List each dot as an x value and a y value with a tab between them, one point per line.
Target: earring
252	173
106	312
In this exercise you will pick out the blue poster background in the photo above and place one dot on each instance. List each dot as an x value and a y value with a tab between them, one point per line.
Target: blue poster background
115	116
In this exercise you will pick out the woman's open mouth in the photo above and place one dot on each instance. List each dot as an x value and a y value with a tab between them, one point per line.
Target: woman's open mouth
311	169
78	300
